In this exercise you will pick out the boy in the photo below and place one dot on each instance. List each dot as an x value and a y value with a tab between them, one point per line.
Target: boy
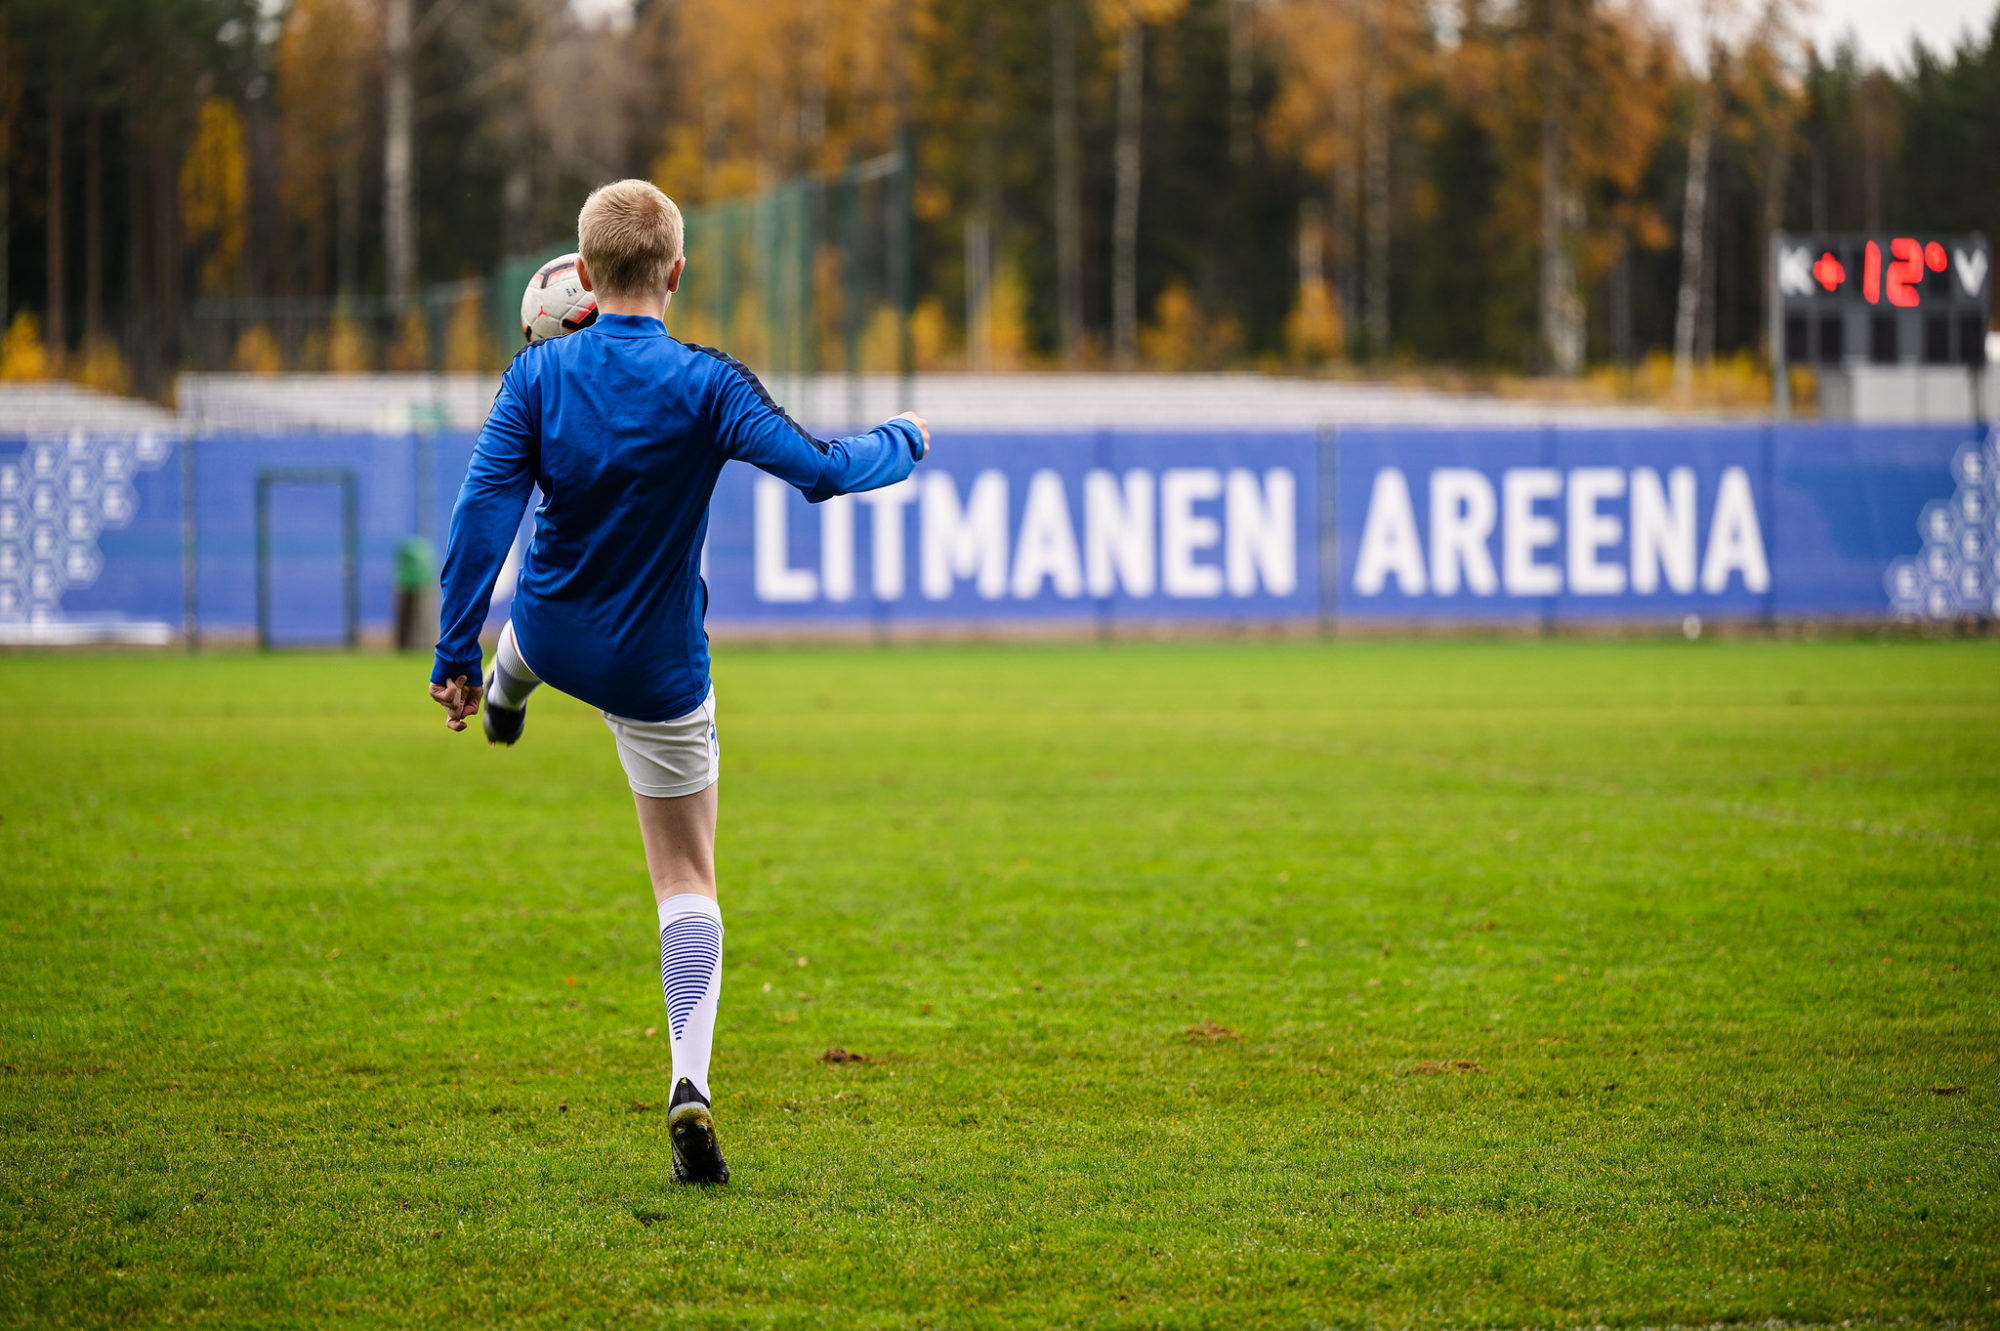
626	429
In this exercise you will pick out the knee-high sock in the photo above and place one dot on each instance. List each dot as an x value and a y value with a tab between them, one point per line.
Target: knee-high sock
691	977
512	680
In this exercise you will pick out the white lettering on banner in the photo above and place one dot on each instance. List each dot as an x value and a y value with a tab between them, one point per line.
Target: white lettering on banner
1527	532
1662	524
1183	532
1389	539
1735	542
1129	544
1046	547
1261	532
1462	514
1663	530
777	580
885	524
1118	533
1591	530
836	548
967	542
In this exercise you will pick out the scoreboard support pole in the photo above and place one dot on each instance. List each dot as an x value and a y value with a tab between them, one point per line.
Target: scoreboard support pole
1329	530
1781	372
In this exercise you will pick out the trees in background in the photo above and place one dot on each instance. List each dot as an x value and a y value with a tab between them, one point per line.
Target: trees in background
1525	185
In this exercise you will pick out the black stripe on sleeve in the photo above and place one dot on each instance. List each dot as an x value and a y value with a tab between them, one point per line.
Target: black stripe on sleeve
519	352
762	394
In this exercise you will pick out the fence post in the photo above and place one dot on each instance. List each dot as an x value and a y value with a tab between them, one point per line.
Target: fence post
805	316
902	267
1106	617
1769	523
851	292
1328	517
190	544
1548	458
725	276
350	554
264	561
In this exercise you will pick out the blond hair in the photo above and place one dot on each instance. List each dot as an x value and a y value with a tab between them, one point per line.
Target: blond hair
629	235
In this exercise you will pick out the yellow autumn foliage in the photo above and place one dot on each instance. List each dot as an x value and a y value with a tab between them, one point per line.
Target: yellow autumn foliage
257	352
23	355
215	190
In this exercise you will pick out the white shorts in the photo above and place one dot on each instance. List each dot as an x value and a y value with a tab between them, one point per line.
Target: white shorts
668	759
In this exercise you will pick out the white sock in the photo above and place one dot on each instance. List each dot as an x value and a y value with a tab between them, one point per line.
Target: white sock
512	680
691	978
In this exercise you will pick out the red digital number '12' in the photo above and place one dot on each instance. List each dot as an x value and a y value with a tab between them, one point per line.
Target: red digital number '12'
1906	270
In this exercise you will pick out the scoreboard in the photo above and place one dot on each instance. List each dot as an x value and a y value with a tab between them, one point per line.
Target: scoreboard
1880	299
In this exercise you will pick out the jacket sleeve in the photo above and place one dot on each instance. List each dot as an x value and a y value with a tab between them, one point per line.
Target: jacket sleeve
483	522
750	427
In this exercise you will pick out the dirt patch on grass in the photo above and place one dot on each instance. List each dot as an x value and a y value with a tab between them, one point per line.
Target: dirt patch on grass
839	1055
1947	1090
1209	1032
1430	1068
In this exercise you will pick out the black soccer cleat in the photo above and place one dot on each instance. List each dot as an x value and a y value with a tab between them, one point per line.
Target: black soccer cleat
697	1157
503	724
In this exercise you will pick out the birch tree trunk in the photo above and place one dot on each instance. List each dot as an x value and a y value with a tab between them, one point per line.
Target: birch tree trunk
1621	303
978	293
1237	13
167	326
93	225
1312	256
1069	212
55	333
347	227
1561	306
1694	217
138	280
6	212
399	222
1125	208
1375	179
1347	205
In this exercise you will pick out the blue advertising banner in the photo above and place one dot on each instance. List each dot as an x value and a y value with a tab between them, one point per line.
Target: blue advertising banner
1043	528
1564	525
1897	522
1372	526
1527	525
306	528
90	531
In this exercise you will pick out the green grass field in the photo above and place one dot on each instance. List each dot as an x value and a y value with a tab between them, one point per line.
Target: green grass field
1199	985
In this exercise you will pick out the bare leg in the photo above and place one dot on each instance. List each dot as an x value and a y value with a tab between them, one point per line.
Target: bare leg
680	842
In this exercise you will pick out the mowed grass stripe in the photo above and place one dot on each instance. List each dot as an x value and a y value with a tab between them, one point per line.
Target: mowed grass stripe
1276	984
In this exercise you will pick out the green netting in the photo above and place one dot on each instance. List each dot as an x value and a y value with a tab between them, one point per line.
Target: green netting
810	276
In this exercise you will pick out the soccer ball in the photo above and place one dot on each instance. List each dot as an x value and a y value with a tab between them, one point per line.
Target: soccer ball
555	301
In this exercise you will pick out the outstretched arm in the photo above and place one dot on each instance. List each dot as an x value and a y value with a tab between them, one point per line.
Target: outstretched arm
751	428
483	523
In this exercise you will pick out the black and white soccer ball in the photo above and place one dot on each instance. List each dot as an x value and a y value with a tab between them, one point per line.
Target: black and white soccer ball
555	301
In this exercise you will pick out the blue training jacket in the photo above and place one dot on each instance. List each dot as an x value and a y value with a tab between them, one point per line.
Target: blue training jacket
625	429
